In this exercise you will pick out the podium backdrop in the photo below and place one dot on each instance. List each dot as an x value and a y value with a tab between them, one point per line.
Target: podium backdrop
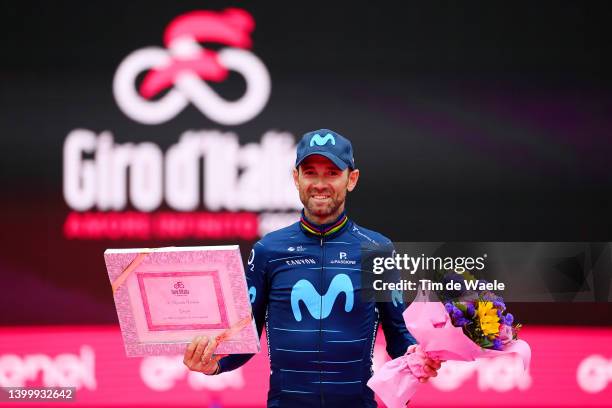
470	121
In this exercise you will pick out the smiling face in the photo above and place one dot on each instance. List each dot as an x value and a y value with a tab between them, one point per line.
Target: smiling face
322	187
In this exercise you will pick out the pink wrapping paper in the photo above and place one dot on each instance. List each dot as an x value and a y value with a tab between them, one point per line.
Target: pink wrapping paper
398	380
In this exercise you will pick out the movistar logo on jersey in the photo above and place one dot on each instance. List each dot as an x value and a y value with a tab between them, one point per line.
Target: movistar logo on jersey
322	141
305	292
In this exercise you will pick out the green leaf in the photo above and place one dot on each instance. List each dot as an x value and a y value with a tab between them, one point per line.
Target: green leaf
486	343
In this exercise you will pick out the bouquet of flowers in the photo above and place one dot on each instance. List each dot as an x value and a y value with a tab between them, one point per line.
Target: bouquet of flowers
484	320
474	327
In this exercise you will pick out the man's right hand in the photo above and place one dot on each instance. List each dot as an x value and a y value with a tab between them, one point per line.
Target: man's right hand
199	356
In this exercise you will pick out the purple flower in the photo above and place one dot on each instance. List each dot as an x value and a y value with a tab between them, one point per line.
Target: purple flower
488	296
457	313
449	308
462	321
470	309
497	344
509	319
498	304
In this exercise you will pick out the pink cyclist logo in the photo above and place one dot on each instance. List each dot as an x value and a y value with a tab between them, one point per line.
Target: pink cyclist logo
179	289
185	67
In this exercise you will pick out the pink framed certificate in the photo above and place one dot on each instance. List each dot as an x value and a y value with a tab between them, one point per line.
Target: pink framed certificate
167	296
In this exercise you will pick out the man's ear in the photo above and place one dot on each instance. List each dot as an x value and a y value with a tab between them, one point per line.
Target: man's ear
352	181
295	178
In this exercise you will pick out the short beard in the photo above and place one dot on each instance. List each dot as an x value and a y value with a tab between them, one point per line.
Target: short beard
326	211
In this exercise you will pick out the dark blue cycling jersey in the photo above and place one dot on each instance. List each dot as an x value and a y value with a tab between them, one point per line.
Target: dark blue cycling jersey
305	285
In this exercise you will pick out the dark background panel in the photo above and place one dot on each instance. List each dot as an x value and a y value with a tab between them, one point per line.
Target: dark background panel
471	121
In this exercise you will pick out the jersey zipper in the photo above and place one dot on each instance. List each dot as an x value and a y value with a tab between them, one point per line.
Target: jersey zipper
321	289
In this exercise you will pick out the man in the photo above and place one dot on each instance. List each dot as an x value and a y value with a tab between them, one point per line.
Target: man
305	285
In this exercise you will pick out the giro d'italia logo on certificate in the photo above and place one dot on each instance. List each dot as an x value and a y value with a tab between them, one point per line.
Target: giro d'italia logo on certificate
167	296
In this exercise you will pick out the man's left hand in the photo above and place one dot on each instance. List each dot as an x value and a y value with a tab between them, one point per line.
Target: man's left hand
430	368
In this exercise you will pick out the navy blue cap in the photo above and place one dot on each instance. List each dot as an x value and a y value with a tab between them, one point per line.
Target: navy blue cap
326	143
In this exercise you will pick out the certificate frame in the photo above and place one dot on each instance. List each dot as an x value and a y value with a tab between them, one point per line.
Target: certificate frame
152	326
167	296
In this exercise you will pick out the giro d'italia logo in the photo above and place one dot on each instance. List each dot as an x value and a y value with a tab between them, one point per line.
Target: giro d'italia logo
184	68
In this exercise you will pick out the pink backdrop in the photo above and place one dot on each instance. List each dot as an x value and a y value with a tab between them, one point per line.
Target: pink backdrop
570	367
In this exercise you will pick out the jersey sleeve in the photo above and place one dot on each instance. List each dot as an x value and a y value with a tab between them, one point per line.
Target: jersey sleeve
258	294
397	336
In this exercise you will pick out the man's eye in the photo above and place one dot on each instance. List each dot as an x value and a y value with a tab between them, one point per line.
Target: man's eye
333	173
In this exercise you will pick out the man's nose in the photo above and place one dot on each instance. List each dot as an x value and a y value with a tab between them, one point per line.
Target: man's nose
319	183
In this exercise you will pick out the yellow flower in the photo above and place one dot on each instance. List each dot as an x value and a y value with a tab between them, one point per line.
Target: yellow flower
487	314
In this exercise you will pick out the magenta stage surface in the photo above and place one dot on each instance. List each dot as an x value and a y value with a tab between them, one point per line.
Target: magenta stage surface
571	367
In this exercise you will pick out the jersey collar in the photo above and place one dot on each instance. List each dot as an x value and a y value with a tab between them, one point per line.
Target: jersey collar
324	230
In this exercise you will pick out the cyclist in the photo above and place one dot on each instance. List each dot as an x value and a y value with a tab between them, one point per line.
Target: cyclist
305	284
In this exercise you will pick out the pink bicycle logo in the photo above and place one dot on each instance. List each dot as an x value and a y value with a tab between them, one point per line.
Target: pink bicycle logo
184	68
179	285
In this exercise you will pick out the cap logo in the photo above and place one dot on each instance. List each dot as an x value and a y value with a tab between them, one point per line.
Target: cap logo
322	141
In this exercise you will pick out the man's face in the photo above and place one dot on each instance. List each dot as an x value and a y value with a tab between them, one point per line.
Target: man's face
323	186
